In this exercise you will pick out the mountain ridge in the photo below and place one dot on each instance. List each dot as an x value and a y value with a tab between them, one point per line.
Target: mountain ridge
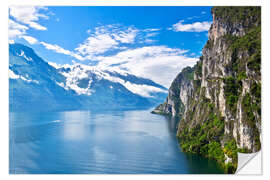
35	84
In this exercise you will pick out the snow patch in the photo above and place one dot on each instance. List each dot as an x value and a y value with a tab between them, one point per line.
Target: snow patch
25	57
81	71
77	73
55	65
12	75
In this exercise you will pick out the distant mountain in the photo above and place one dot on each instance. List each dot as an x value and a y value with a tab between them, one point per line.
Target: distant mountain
35	84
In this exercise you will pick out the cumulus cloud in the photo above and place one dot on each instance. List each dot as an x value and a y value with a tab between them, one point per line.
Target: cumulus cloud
19	30
97	44
158	63
114	37
28	15
193	27
106	38
23	18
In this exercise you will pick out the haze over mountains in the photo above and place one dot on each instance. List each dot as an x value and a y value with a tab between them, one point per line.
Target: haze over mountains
36	84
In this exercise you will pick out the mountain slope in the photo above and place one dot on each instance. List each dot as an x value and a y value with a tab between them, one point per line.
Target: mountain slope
35	84
219	99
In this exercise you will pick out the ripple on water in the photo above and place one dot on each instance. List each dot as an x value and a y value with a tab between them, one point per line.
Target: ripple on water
127	142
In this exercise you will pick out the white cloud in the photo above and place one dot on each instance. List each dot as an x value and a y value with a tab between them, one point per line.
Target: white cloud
28	15
140	89
149	41
55	65
151	29
127	36
15	29
24	17
30	39
97	44
151	34
37	26
106	38
158	63
56	48
81	71
61	50
193	27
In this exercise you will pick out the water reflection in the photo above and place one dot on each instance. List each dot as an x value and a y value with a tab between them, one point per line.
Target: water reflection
75	125
99	142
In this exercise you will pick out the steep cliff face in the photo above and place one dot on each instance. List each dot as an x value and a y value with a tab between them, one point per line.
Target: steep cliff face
219	99
181	88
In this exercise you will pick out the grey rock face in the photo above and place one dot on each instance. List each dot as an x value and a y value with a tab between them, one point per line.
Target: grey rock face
225	66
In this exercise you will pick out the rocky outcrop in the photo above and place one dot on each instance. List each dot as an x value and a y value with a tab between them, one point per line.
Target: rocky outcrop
219	99
181	88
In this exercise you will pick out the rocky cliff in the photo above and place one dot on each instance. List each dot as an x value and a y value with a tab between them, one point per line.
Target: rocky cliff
219	99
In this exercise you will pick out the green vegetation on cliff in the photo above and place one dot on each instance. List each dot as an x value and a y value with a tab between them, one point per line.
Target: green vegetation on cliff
205	139
206	135
224	88
236	14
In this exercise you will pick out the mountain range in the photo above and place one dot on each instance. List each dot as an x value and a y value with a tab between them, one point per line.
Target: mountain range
35	84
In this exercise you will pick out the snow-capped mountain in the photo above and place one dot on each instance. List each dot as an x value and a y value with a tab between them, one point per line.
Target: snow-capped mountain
36	84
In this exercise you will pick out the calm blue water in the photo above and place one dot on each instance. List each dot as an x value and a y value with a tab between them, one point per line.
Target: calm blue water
133	142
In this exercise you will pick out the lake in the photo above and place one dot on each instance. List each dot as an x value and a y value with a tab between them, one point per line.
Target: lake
112	142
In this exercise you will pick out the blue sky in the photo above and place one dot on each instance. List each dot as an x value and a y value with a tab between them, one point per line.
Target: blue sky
142	40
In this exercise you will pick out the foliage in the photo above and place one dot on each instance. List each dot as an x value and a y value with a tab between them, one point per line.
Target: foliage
204	139
251	42
198	67
237	14
256	93
230	149
249	107
230	168
215	151
231	92
202	130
